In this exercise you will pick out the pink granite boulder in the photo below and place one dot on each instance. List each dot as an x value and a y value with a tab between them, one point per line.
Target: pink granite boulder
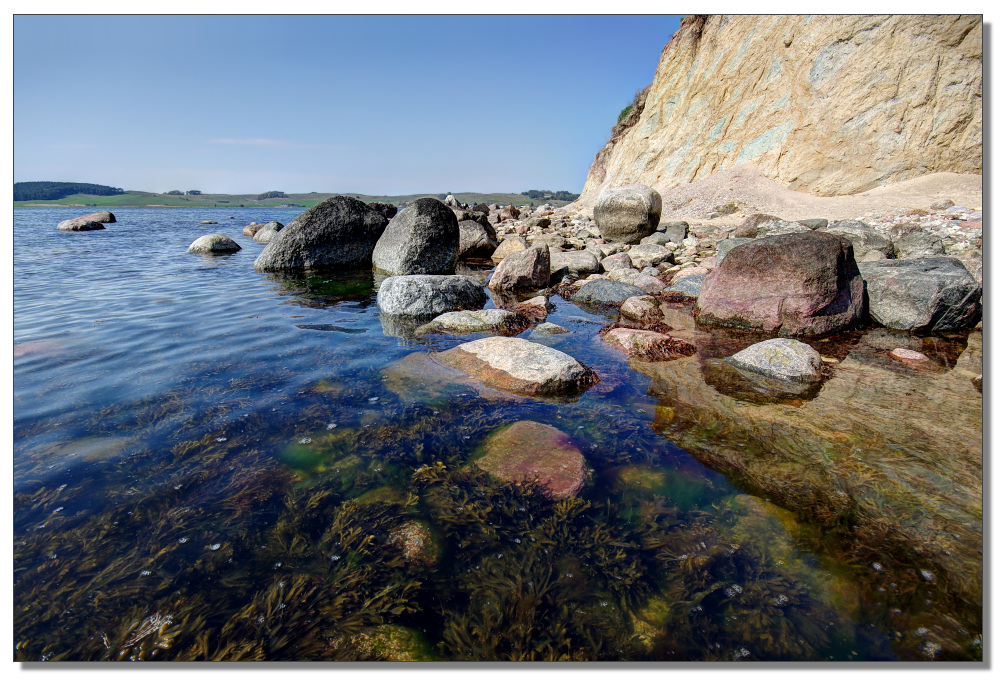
804	283
527	451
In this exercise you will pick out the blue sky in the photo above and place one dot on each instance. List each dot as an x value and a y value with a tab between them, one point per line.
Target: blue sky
368	104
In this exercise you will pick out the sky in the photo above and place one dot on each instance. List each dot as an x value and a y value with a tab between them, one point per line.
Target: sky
364	104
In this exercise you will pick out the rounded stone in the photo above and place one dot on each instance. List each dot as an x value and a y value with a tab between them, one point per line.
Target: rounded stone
213	243
422	239
426	295
527	451
628	213
783	359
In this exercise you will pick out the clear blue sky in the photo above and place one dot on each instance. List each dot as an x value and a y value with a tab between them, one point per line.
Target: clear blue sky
368	104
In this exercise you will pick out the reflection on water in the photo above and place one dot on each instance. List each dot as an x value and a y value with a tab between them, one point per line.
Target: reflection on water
212	464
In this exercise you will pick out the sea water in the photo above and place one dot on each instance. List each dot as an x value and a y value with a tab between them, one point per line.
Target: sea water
216	464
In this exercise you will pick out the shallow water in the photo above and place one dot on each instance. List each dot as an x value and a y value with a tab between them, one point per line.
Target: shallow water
211	463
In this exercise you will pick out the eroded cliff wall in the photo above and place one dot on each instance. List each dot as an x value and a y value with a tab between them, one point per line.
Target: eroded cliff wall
827	104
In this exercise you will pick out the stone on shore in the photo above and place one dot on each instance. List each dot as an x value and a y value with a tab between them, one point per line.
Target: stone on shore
340	232
627	213
617	261
647	345
916	243
518	366
527	269
724	246
213	243
528	451
251	229
748	228
422	239
510	244
646	255
428	295
606	292
798	284
688	285
575	262
922	295
675	231
388	210
476	240
863	237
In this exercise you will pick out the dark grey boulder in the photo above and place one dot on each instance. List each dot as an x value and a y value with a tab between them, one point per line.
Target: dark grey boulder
476	240
918	244
606	292
266	232
340	232
675	231
922	295
422	239
686	286
627	213
429	295
863	236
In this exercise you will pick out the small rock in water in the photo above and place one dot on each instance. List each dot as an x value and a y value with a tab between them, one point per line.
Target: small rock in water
909	357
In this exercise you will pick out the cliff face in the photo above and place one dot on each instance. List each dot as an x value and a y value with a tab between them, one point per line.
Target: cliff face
822	104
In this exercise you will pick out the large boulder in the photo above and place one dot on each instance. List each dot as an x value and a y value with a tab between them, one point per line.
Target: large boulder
922	295
797	284
515	365
213	243
527	269
427	295
266	232
476	240
337	233
422	239
863	236
627	213
100	217
529	451
606	292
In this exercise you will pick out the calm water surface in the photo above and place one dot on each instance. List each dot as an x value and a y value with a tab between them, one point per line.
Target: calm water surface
211	463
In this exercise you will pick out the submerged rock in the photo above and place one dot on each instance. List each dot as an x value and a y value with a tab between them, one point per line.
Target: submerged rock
521	367
627	213
647	345
469	322
527	451
422	239
427	295
926	294
337	233
213	243
800	284
783	359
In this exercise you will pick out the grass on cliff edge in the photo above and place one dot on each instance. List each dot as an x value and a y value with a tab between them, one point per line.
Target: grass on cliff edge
135	198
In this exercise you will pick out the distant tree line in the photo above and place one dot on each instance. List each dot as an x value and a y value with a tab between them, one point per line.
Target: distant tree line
561	195
50	191
271	195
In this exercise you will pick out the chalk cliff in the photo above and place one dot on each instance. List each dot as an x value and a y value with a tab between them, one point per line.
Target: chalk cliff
827	105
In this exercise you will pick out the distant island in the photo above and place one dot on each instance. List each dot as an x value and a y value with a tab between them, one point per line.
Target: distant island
85	194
